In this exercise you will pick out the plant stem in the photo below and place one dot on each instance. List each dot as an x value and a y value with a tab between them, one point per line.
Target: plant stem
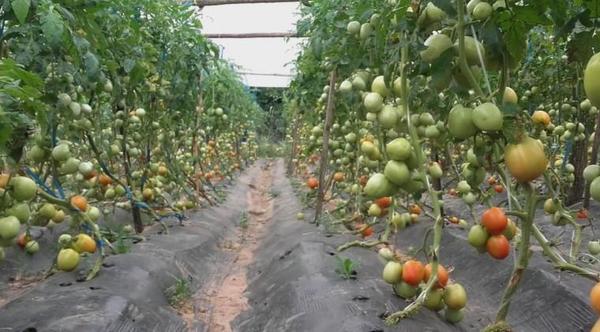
523	259
558	261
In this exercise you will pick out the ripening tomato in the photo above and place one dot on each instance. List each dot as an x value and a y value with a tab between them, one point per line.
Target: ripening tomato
492	181
84	243
413	272
104	180
442	275
595	297
67	259
541	118
596	327
498	246
384	202
79	202
415	209
312	183
494	220
526	160
364	231
23	239
582	214
338	177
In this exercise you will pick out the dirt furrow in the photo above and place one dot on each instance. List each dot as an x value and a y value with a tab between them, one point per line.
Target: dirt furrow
222	299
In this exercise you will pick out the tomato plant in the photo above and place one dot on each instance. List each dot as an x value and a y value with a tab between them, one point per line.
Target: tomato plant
114	105
412	99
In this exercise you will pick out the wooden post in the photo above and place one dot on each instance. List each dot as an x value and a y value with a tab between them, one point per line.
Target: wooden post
324	163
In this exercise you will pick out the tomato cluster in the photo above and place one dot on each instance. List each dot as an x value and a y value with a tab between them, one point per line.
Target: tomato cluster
407	277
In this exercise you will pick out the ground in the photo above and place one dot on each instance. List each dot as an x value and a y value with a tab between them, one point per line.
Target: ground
250	265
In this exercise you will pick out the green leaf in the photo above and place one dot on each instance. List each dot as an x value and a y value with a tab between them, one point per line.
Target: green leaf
21	9
52	26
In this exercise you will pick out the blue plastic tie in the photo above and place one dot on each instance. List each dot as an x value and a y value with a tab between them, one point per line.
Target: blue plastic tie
39	182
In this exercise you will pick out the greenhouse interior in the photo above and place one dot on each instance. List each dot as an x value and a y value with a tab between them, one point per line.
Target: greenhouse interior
299	165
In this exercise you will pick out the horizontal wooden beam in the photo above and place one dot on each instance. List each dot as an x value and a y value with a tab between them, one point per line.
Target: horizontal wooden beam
204	3
264	74
252	35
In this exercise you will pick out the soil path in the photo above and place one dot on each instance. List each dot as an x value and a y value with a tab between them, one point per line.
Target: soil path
222	299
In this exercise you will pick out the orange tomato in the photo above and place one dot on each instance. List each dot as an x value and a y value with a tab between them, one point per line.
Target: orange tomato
312	183
84	243
541	117
79	202
104	180
595	297
4	180
498	247
339	176
494	220
384	202
442	275
23	239
413	272
414	209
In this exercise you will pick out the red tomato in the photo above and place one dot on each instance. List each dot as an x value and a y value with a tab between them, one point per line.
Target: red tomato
498	247
494	220
413	272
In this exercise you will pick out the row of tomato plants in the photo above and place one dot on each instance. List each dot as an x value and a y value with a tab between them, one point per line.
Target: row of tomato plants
422	104
111	104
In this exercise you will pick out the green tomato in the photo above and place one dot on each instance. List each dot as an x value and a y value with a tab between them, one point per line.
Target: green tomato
399	149
388	117
435	299
460	122
591	80
392	272
435	46
482	11
32	247
591	172
455	296
378	186
488	117
9	227
595	189
373	102
454	316
23	188
397	172
478	236
404	290
20	211
594	247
